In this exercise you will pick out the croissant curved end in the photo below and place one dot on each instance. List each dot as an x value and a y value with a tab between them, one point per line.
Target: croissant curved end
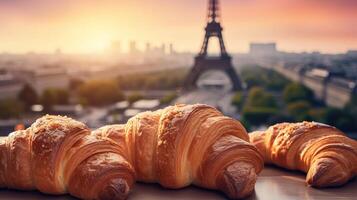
116	189
327	173
238	180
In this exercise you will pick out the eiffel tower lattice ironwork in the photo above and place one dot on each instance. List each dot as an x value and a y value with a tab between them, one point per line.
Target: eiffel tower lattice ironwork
203	62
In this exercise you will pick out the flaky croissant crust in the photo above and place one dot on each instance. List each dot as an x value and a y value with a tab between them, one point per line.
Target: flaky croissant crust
327	156
175	147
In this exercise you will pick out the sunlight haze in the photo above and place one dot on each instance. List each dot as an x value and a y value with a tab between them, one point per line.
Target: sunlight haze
79	26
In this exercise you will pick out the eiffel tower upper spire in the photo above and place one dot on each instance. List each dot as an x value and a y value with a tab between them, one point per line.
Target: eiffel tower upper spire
213	11
213	29
205	62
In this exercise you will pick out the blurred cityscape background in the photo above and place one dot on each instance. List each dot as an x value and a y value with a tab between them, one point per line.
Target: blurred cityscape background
295	83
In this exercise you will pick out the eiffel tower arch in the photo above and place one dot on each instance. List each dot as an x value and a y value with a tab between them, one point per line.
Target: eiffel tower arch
203	62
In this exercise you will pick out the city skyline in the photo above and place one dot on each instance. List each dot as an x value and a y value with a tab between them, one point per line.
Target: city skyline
82	26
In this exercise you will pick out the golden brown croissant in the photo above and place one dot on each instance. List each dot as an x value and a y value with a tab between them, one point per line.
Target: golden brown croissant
327	156
57	155
177	146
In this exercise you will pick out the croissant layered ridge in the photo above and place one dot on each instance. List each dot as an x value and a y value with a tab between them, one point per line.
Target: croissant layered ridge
176	146
326	154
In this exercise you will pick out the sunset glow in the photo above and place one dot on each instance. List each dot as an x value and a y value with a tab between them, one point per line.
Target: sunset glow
90	26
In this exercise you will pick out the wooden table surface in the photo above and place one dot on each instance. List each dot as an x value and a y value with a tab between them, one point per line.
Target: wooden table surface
273	184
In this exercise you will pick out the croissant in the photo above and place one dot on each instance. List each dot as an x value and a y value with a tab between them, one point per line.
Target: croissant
175	147
327	156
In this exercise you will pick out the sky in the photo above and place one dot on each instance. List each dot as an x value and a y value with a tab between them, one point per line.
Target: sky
82	26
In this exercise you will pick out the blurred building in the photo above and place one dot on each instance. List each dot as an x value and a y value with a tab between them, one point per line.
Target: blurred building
316	80
163	49
352	53
171	49
333	88
262	49
155	52
43	78
148	48
293	72
133	48
10	87
339	91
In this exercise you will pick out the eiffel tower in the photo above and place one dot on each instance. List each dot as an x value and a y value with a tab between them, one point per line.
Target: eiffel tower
203	62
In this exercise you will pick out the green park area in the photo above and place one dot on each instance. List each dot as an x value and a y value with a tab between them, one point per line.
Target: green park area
270	98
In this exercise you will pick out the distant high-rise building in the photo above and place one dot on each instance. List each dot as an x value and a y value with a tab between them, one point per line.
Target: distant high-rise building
148	47
163	48
263	48
172	51
132	47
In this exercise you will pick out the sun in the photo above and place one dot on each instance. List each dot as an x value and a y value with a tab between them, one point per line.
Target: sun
97	40
99	44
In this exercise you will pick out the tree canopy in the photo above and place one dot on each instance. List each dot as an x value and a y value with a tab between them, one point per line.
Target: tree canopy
297	92
51	97
255	76
10	108
299	110
28	96
259	107
164	80
134	97
100	92
168	98
257	97
237	100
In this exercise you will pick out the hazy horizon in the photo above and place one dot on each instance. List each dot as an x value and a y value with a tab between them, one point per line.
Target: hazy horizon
83	26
